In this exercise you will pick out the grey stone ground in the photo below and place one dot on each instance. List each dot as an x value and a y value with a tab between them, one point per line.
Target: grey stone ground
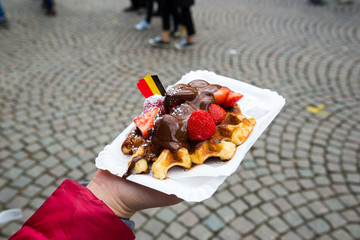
68	88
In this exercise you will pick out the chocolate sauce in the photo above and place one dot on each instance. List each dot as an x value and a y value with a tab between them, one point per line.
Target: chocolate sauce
170	130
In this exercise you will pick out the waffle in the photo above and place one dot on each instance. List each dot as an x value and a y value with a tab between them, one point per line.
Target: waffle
232	132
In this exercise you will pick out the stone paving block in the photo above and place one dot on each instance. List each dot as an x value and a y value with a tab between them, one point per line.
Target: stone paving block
291	236
58	171
143	235
6	194
200	232
154	227
238	190
354	230
13	173
349	200
335	220
319	226
189	219
20	182
239	206
226	214
175	230
282	204
341	234
252	199
266	195
351	215
305	232
214	223
229	233
279	225
225	197
256	216
292	218
166	215
242	225
318	208
264	232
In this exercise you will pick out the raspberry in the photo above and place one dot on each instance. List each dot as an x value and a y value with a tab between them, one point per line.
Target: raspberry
200	126
217	113
154	101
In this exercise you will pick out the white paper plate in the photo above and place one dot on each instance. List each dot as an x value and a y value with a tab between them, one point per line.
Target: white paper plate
201	182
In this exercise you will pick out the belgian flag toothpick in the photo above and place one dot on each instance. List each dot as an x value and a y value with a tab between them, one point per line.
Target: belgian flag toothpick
151	85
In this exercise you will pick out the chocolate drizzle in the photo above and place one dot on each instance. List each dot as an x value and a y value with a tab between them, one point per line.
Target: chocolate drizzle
170	130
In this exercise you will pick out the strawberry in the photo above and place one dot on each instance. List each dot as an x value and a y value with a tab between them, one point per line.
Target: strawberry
217	113
221	95
200	126
232	99
154	101
146	121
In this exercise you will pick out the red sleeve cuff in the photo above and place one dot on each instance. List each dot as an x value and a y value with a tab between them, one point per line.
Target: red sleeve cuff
73	212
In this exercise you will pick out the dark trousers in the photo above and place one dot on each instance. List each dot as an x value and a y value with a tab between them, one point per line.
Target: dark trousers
186	20
149	4
49	4
180	14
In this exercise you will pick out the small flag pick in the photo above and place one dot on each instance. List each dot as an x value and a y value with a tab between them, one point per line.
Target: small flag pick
151	85
158	84
144	88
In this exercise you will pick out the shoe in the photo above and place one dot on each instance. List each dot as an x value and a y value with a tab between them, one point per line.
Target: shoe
183	44
51	12
158	42
143	25
4	23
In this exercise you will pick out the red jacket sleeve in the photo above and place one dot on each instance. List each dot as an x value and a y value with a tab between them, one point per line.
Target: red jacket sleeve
73	212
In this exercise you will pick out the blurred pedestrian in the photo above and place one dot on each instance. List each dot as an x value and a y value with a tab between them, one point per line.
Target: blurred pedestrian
3	19
172	7
186	20
146	23
49	6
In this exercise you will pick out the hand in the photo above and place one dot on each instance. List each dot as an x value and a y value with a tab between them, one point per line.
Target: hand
124	197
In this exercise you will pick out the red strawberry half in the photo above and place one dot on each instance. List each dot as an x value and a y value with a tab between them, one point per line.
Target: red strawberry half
217	113
232	99
146	121
200	126
221	95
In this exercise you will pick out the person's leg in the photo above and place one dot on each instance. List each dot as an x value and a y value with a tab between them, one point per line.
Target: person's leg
164	39
149	10
187	20
48	4
2	14
50	7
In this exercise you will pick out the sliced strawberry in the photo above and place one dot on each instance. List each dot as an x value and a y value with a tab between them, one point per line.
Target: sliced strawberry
200	126
232	99
221	95
217	113
146	121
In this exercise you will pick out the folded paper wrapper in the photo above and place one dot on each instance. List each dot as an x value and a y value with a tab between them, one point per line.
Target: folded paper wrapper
201	182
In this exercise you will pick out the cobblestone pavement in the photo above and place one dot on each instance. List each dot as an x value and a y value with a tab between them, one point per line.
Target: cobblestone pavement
68	88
